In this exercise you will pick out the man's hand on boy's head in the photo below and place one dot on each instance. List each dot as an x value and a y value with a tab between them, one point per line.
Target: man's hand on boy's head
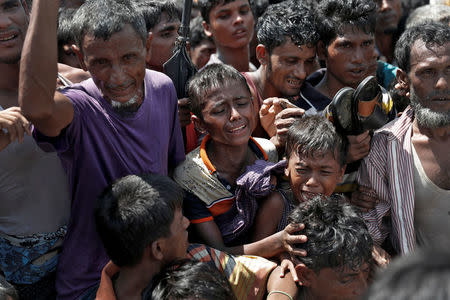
270	108
283	121
359	146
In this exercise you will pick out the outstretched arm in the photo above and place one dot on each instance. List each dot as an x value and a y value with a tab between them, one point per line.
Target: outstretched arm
50	112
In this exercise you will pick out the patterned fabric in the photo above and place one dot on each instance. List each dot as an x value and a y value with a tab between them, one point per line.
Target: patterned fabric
197	175
246	274
19	256
388	169
253	185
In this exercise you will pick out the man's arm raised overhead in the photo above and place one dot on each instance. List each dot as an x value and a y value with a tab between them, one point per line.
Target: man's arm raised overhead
49	111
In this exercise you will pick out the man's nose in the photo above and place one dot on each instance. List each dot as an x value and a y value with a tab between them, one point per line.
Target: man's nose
5	21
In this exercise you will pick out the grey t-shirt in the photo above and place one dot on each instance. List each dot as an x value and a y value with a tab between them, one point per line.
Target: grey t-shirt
33	190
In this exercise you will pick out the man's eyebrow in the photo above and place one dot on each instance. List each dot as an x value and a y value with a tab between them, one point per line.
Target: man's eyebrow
9	2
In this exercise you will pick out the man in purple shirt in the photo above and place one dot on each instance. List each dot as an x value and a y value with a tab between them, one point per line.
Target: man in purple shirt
121	121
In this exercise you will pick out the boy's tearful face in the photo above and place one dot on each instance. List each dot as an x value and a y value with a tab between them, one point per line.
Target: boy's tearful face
314	174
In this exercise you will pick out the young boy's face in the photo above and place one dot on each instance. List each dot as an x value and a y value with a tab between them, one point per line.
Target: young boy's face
231	24
177	241
312	175
228	115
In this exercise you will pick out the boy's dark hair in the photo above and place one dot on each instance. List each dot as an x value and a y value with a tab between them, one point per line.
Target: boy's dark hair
103	18
152	10
431	33
315	135
65	27
337	235
133	212
284	20
336	15
7	290
212	77
422	275
190	279
197	33
207	5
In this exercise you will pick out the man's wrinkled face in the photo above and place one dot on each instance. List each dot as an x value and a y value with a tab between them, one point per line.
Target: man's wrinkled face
231	24
429	78
288	66
13	27
351	57
389	13
117	65
339	283
164	35
313	175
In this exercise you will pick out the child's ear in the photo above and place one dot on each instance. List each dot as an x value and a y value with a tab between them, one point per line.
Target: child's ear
305	275
157	250
342	172
199	124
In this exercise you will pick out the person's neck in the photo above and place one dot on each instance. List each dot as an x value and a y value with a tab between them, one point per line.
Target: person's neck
132	281
264	87
9	80
329	86
385	45
239	58
439	134
230	160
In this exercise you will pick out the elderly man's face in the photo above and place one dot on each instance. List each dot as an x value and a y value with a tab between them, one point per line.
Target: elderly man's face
429	78
13	27
388	15
117	65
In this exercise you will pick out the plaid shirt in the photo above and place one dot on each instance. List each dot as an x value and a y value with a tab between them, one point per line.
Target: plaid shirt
388	169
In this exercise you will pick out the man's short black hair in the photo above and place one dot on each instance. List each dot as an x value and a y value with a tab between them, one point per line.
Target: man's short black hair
133	212
197	33
153	9
189	279
285	20
207	5
337	235
315	135
212	77
336	15
431	33
422	275
103	18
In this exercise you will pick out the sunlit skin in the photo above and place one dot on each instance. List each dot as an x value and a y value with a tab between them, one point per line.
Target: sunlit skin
116	65
13	27
287	68
164	35
349	59
309	176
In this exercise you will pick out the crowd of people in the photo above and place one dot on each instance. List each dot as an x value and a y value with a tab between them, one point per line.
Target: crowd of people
310	152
